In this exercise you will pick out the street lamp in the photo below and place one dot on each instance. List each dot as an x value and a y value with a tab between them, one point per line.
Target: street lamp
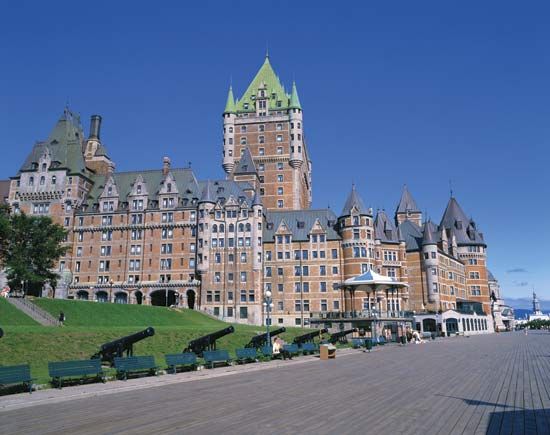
268	305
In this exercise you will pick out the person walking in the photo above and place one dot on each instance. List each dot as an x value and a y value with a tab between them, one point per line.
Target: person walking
62	317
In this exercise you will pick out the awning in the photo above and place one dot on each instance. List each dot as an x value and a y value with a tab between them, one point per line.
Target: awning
372	281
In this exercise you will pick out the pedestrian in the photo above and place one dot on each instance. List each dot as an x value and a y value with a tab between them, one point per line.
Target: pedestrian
62	317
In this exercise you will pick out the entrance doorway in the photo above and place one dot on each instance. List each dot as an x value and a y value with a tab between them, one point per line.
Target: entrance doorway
163	298
190	299
139	297
428	325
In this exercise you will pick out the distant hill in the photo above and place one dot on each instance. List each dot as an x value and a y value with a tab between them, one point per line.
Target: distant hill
527	303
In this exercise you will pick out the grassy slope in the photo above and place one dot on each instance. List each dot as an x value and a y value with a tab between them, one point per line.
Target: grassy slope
90	324
9	315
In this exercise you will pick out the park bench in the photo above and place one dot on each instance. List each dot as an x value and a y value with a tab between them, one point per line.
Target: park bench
309	348
135	364
289	350
246	355
187	359
212	357
80	369
357	343
13	375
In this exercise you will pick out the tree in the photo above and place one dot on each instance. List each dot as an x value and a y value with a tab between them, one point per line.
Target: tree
33	247
4	231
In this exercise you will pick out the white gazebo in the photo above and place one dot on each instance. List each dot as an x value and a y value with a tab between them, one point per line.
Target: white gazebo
378	285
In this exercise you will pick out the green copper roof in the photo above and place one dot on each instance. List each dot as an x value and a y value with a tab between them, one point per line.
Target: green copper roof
294	99
64	145
275	91
230	104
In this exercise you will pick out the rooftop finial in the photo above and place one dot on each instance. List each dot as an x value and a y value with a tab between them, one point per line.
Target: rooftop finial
451	187
266	49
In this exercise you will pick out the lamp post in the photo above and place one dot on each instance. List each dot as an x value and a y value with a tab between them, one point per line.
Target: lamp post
23	288
268	305
111	282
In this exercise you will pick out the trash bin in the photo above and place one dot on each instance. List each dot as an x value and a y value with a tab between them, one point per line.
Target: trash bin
327	351
368	344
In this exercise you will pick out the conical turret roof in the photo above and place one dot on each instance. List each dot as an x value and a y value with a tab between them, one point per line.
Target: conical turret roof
460	225
246	164
353	200
230	104
407	202
207	195
294	99
427	235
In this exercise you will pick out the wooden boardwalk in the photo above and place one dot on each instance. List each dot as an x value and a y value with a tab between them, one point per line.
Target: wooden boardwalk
487	384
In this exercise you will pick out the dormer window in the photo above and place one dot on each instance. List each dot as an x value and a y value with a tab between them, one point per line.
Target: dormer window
245	106
54	179
44	166
42	180
31	181
169	187
262	93
138	189
110	190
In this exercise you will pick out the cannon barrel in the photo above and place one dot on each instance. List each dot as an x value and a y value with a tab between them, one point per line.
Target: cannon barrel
310	336
340	335
261	339
117	347
207	342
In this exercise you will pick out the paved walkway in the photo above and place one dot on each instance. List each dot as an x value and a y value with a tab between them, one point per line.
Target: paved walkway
486	384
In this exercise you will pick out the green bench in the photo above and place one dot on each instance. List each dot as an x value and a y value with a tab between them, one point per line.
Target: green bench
309	348
246	355
13	375
187	359
212	357
135	364
81	369
290	350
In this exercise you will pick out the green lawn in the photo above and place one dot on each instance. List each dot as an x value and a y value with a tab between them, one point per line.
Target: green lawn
89	324
11	316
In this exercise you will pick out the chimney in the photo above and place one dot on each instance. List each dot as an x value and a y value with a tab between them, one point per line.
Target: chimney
95	127
165	166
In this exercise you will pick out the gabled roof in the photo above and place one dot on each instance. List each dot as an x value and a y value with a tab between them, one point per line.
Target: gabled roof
384	229
246	164
354	201
455	220
300	223
274	90
407	202
64	146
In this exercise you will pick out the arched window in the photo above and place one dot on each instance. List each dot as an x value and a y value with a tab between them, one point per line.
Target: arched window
241	228
231	228
138	190
31	181
110	190
248	227
230	129
222	228
42	180
54	179
44	166
169	187
214	228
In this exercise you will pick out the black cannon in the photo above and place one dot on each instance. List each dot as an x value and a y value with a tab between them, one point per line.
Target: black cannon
207	342
340	336
260	340
108	351
310	336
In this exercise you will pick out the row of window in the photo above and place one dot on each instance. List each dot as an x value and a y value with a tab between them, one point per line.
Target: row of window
137	218
42	180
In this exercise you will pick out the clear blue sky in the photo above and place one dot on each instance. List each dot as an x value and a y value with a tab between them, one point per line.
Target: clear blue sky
393	93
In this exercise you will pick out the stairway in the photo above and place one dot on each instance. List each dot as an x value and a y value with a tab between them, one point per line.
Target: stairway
33	311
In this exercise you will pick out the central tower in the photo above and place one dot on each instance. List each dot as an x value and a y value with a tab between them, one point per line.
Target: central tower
268	121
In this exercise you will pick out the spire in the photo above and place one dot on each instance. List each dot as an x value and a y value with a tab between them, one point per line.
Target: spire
353	200
400	236
427	236
407	202
294	99
207	195
257	199
246	164
230	104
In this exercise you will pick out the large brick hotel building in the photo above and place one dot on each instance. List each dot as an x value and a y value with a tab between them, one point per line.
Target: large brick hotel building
164	236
